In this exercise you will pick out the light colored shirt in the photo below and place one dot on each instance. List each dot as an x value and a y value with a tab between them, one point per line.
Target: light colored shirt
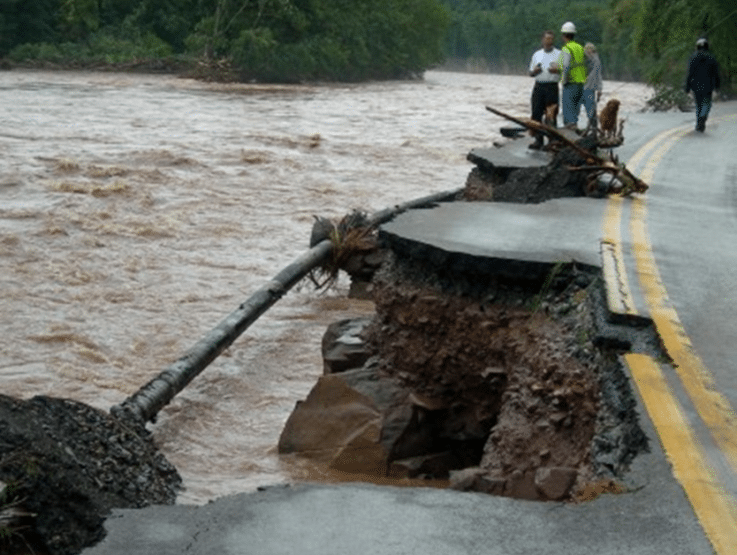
545	59
594	80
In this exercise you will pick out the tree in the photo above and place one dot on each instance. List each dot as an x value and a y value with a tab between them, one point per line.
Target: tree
24	21
344	40
78	18
667	31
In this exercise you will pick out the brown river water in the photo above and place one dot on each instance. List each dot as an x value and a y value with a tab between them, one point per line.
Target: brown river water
137	211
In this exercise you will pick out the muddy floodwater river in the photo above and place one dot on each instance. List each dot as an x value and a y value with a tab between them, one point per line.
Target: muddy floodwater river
137	211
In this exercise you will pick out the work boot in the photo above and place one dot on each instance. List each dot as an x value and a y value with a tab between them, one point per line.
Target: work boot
538	144
700	124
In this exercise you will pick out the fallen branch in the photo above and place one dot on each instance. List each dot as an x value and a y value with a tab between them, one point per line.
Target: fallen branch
629	183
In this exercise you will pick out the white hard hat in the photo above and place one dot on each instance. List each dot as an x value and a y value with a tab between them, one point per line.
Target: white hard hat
701	42
568	27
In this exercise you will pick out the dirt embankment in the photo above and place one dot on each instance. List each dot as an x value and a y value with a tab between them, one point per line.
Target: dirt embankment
522	363
508	386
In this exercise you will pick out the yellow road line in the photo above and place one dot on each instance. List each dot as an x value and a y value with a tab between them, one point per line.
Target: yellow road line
619	294
713	506
713	407
621	300
651	144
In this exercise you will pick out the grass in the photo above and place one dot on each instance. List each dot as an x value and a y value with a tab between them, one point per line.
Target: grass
350	237
12	519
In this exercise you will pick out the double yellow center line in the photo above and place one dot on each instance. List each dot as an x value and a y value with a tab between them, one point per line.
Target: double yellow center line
713	505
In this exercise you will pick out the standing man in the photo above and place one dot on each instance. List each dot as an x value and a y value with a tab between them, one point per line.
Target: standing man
594	84
702	79
572	75
545	91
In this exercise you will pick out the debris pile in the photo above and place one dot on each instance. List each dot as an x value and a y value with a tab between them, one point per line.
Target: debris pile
588	148
65	465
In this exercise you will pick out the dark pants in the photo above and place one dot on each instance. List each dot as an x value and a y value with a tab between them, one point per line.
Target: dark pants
703	107
543	95
572	98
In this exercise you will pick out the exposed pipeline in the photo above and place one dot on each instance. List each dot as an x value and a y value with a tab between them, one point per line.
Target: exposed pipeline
145	404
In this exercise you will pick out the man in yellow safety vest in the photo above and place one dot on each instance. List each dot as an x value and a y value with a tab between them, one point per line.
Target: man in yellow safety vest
572	75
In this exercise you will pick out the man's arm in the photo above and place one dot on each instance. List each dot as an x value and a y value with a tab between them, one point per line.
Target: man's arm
535	69
565	65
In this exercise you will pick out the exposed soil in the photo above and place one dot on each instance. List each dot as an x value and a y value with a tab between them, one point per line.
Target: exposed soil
527	368
527	377
69	464
517	360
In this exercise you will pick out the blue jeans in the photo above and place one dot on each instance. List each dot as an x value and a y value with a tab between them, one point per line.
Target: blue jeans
572	96
703	104
589	104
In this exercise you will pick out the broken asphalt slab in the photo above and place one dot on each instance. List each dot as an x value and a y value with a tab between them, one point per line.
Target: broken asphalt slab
652	517
505	234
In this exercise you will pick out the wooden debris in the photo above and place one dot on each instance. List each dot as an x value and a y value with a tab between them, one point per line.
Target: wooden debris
623	181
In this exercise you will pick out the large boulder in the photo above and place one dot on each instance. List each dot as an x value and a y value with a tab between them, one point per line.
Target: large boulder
363	422
352	421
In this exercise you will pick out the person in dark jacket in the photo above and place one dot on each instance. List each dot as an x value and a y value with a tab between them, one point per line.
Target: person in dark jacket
703	79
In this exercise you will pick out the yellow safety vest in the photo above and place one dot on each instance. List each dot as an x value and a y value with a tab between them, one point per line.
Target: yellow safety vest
577	71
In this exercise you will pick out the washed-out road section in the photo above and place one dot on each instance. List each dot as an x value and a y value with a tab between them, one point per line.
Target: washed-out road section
653	517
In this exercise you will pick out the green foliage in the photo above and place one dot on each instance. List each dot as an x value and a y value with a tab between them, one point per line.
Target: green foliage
505	33
100	48
617	47
275	40
294	40
27	21
343	40
667	31
78	18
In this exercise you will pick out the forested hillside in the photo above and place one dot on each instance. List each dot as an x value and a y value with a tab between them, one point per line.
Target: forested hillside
504	33
267	40
351	40
637	39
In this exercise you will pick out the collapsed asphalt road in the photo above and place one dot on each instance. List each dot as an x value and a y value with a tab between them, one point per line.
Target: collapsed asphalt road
654	516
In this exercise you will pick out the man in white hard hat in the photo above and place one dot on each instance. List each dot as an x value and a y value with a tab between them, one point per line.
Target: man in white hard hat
545	92
572	75
702	79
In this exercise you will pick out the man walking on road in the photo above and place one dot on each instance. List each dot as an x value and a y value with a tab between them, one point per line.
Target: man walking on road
543	67
702	79
572	75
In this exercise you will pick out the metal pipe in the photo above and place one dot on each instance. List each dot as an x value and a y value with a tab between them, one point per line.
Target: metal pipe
146	403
